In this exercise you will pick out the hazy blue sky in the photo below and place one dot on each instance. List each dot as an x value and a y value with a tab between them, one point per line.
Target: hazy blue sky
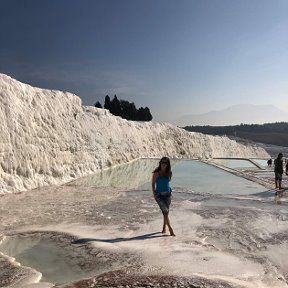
175	56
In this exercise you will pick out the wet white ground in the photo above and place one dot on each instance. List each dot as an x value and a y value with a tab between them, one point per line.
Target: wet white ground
233	240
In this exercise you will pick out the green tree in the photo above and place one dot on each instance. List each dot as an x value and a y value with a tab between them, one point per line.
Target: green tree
148	115
125	109
98	105
115	107
128	110
143	114
107	103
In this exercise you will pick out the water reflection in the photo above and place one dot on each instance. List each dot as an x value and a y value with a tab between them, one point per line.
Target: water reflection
261	162
236	163
204	178
126	176
56	262
195	175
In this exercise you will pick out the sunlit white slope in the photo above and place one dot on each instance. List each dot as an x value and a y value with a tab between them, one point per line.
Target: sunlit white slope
48	137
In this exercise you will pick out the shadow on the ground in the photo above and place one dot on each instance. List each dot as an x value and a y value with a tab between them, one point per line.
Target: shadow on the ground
120	239
265	194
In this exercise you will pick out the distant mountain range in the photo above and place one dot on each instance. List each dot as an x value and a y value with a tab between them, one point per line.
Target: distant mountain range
235	115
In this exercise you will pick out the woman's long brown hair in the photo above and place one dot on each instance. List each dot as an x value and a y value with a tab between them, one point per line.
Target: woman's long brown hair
168	171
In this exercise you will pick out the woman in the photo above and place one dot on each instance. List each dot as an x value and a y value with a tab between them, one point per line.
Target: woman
162	191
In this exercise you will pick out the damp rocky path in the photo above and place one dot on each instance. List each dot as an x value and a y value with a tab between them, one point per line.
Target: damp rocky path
38	214
23	214
53	205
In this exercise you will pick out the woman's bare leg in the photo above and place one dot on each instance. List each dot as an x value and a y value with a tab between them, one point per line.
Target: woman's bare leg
164	225
167	222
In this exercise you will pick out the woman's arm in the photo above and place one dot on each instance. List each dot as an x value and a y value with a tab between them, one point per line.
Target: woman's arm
154	184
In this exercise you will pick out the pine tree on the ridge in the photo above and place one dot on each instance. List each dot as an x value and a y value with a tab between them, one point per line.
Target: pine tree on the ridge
125	109
115	107
98	105
107	103
148	115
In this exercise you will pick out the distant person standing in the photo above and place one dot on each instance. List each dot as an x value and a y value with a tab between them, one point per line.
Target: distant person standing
278	170
269	162
162	190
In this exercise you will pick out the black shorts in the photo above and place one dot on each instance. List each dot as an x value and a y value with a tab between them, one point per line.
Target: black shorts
278	176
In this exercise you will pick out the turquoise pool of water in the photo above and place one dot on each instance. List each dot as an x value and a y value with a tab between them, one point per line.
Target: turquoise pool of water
209	179
235	163
56	263
194	175
261	162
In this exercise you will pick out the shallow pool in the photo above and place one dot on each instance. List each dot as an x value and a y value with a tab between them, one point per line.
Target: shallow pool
55	261
202	177
192	174
235	163
261	162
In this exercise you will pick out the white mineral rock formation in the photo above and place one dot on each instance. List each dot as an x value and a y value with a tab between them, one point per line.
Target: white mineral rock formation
48	137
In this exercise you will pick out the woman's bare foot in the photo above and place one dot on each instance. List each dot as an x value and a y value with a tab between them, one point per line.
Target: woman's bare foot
171	232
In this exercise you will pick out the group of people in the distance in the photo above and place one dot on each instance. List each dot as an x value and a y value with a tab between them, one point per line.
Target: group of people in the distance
279	170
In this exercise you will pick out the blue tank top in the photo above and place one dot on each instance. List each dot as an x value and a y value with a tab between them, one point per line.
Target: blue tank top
163	184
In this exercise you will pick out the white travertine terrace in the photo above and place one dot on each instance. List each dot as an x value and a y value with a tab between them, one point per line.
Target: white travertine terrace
47	137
